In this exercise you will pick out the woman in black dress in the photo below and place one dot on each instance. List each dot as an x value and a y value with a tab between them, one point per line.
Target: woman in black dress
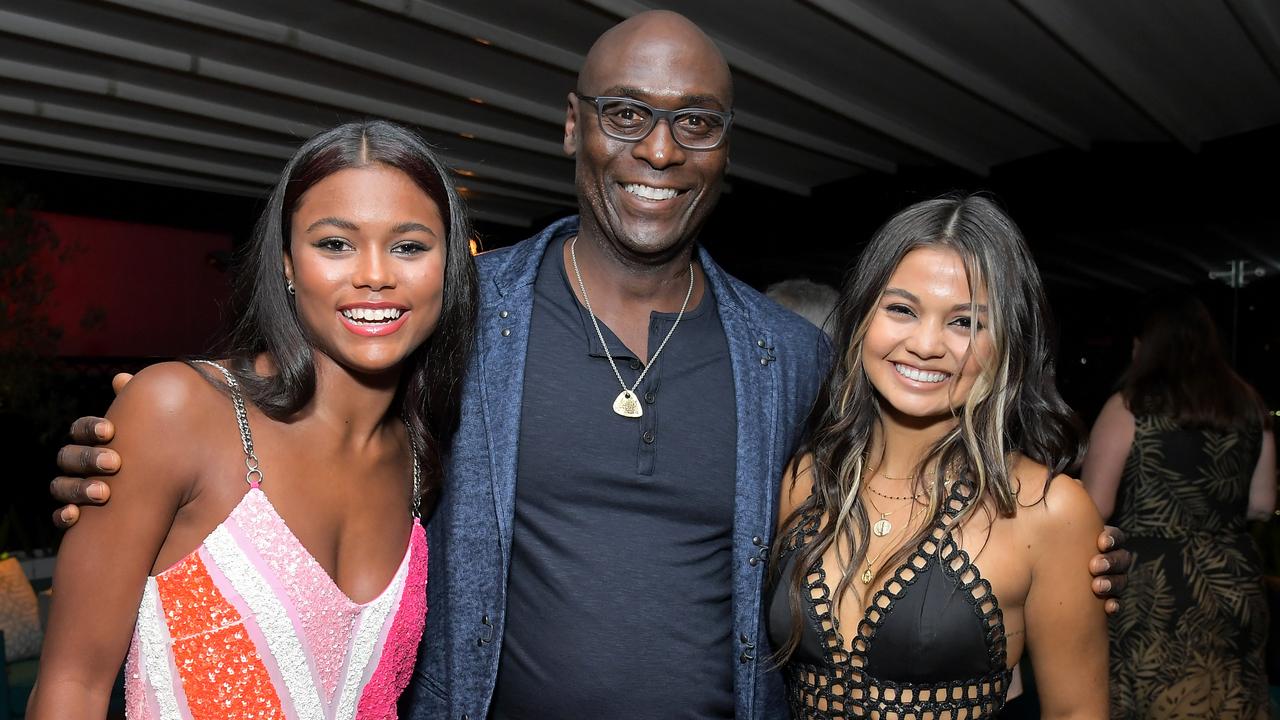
1185	447
926	534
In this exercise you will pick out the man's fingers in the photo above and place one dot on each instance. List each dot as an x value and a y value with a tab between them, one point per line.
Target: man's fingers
78	491
1118	561
84	460
91	430
119	381
1112	606
66	516
1112	537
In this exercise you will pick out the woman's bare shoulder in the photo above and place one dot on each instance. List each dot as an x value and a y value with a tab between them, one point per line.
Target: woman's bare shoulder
1052	500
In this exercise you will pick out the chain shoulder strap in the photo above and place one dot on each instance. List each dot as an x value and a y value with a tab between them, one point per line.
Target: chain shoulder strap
417	469
254	475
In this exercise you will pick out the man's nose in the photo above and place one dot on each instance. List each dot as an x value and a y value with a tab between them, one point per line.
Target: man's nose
660	148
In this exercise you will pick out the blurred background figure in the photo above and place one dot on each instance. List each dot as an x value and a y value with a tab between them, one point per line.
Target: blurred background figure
1180	458
811	300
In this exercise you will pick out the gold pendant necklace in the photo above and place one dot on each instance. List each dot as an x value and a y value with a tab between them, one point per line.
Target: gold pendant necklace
882	526
867	574
626	404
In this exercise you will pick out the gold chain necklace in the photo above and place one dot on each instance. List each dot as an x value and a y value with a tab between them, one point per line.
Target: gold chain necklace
626	403
867	574
882	526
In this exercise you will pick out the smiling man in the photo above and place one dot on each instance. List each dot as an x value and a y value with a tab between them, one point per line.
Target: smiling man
599	545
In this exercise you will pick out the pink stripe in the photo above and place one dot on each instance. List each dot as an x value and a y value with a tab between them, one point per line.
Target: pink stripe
401	639
249	622
301	583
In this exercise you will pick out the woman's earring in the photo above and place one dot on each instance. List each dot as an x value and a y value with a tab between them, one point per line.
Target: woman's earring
288	285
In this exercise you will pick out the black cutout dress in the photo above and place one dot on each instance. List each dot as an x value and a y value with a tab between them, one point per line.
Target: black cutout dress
931	643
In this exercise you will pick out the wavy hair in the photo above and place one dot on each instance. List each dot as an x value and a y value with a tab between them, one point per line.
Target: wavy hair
430	389
1013	407
1179	369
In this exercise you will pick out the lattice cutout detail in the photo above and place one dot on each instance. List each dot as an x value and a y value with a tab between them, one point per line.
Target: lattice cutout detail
841	688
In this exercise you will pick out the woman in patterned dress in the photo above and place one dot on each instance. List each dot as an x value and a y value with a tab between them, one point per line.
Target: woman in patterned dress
1180	458
266	555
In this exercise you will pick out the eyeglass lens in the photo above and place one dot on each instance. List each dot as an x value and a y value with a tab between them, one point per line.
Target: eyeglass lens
632	120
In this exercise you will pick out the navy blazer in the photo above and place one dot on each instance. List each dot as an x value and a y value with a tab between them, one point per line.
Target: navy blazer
778	359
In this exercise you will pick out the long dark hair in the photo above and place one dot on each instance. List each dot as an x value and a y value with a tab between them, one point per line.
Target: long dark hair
431	387
1179	369
1014	406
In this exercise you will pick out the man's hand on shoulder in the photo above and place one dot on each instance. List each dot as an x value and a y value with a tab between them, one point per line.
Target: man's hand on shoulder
84	458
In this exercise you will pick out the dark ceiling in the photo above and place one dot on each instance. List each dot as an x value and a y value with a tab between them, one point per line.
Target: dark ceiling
1111	129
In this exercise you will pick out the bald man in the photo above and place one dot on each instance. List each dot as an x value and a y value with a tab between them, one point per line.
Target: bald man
600	542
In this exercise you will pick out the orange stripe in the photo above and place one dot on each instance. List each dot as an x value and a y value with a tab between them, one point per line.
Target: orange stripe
221	671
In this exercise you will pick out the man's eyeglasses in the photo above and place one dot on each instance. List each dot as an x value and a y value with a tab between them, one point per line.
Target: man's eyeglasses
631	121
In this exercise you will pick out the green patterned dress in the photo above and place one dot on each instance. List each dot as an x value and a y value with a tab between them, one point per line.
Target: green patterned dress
1189	639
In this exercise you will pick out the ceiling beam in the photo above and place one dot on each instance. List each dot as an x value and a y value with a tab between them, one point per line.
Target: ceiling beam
1056	263
1069	26
748	62
97	167
952	68
1260	22
1113	251
281	151
130	153
432	14
186	63
334	50
481	31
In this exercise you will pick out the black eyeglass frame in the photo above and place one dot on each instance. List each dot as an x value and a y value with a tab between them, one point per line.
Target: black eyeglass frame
657	115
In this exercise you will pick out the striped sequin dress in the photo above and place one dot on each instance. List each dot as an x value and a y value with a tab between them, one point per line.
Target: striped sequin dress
249	625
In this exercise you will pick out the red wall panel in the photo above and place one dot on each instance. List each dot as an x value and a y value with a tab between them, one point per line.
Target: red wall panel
154	290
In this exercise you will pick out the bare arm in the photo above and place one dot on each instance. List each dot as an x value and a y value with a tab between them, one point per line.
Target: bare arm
104	561
1066	624
797	485
83	458
1109	444
1262	489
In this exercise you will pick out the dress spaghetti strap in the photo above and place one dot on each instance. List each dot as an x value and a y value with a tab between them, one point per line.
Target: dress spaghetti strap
254	475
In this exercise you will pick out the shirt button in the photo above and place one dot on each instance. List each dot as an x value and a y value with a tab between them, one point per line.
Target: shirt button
635	364
649	397
647	437
503	314
753	561
506	332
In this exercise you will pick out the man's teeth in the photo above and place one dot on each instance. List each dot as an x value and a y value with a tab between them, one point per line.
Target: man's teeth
650	193
372	314
907	371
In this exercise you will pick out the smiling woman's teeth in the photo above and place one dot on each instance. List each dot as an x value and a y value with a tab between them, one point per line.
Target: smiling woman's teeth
919	375
650	193
371	315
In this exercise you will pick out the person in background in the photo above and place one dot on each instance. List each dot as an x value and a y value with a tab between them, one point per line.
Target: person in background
1180	458
811	300
927	536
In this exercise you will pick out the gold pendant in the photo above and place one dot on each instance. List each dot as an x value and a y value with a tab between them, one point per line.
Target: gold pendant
866	575
627	405
882	527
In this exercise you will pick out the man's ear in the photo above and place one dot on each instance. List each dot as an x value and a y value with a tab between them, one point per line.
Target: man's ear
288	267
571	126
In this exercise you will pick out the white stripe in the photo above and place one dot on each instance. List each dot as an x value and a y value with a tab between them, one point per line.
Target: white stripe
372	620
272	618
153	637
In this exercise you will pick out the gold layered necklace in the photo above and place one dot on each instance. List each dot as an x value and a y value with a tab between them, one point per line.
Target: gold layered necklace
867	574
